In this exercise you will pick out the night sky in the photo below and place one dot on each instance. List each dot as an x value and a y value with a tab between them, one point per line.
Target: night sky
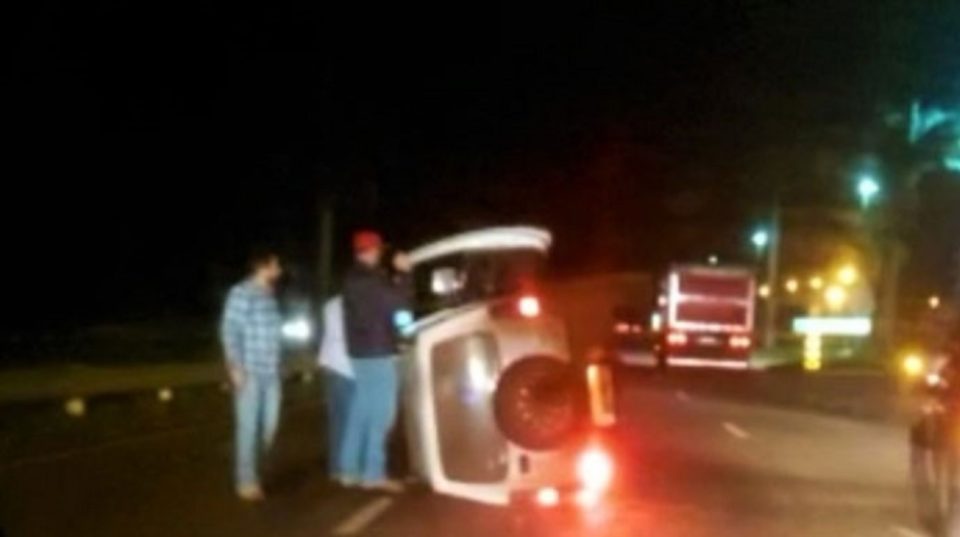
153	144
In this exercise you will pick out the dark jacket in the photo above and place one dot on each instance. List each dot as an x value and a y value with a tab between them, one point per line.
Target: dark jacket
370	300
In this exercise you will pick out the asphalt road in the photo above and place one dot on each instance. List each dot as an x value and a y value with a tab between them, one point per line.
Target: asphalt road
692	465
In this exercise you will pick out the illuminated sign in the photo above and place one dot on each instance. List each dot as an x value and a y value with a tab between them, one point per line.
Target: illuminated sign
833	326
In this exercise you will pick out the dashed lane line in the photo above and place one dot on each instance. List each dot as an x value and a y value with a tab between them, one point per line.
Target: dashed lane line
363	517
735	430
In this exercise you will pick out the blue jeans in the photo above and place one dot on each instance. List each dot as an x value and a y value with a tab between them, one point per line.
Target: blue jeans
257	407
339	398
370	419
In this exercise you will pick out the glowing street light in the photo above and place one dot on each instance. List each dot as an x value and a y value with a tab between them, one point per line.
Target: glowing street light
760	239
816	283
835	296
868	188
764	291
933	302
792	285
847	275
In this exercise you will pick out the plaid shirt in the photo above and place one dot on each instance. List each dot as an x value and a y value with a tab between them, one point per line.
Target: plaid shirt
250	329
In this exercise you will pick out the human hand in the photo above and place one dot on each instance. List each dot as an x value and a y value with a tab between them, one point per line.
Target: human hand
237	376
401	262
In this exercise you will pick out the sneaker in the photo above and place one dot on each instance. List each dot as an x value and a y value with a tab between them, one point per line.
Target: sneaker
386	485
250	493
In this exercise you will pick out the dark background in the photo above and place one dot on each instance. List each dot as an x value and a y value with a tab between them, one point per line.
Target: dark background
152	144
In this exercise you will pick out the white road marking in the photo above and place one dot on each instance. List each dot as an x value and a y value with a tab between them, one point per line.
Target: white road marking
363	517
683	396
735	430
906	532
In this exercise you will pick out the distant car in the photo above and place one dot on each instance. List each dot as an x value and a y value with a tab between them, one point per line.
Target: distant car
632	342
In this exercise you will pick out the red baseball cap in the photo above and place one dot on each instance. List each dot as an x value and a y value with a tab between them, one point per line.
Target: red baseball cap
366	240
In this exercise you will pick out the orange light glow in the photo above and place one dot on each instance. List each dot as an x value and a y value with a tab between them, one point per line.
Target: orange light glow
529	306
587	498
548	497
595	469
602	397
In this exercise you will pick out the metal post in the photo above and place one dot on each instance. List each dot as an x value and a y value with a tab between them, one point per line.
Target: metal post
773	269
325	256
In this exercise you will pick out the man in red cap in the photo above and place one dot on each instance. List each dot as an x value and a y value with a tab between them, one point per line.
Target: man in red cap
371	299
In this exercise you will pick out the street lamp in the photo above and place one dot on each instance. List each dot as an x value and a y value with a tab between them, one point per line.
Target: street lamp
835	296
764	291
760	239
792	285
867	189
847	275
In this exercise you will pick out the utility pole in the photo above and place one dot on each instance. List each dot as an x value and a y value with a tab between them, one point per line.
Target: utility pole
325	246
773	276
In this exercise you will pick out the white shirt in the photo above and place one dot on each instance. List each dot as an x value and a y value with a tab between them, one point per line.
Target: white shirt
333	347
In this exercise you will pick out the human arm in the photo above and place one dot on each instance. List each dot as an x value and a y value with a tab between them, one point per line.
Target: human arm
232	327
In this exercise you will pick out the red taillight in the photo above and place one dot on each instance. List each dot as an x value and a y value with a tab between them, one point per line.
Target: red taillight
676	339
621	328
739	342
528	306
595	469
548	497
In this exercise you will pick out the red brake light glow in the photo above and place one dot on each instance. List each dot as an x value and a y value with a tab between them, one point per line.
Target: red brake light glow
548	497
621	328
676	339
740	342
595	469
529	306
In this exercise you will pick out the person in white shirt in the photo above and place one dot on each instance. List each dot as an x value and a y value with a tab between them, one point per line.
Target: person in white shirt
339	383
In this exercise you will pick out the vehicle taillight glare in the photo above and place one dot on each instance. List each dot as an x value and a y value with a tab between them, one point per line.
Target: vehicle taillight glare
621	328
587	498
676	339
595	469
529	306
548	497
740	342
601	395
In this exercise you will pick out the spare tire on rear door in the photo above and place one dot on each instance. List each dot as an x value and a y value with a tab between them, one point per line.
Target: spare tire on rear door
538	403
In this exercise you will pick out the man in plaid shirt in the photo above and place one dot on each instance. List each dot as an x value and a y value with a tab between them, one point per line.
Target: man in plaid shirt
250	333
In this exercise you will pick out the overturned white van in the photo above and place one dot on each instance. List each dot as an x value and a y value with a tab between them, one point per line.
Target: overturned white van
494	410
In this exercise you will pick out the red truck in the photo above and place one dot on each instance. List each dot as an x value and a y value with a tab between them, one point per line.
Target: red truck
708	316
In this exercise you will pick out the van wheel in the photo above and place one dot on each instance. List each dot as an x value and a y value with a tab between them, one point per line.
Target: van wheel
538	403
